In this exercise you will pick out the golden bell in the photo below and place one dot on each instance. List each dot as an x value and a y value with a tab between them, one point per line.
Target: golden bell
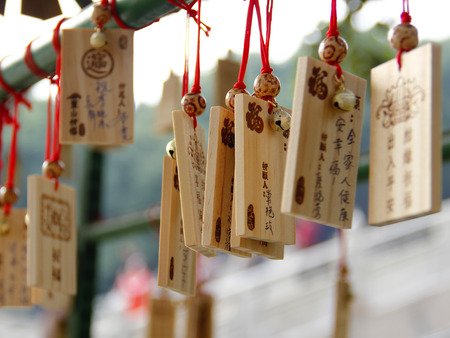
4	228
98	40
171	149
344	100
8	195
52	169
279	119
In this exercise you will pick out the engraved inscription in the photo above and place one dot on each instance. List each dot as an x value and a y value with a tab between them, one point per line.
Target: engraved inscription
250	217
55	218
300	190
401	102
176	185
123	42
218	229
97	64
228	133
316	86
254	121
171	269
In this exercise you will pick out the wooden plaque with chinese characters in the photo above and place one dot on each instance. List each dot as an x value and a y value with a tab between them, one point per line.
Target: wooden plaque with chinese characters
13	260
405	139
50	300
52	236
323	153
260	161
217	212
177	263
191	161
162	318
97	105
265	249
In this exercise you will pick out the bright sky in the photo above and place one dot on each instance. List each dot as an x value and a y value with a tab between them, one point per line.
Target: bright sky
160	47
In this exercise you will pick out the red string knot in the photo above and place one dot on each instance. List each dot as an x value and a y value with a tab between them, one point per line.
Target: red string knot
406	18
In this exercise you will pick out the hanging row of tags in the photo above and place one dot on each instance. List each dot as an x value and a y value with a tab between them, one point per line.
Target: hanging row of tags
241	194
38	259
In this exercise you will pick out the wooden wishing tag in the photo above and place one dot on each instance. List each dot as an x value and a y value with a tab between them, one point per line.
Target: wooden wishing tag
200	316
13	259
97	105
323	154
226	75
162	318
50	300
343	307
217	211
260	162
271	250
177	263
52	236
191	161
170	101
405	139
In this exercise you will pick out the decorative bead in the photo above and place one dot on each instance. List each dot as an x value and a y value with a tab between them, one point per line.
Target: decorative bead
8	195
266	85
280	119
193	104
229	99
333	49
52	169
101	14
344	99
403	37
99	40
171	149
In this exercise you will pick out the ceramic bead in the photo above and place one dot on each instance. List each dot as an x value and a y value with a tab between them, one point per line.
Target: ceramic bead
266	85
171	149
279	119
333	49
229	99
403	37
52	169
101	14
193	104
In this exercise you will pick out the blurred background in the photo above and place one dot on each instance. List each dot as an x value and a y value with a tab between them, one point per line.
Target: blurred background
400	274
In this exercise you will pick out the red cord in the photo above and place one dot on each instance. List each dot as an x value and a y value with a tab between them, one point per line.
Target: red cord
185	85
332	31
248	30
406	18
31	64
265	45
196	86
18	99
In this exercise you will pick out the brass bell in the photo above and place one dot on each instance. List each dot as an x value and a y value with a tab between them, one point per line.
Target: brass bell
98	39
344	99
52	169
171	149
27	219
280	119
8	195
4	228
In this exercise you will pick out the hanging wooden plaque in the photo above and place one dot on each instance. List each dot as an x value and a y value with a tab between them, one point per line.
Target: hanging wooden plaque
191	161
177	263
265	249
217	212
226	75
405	145
323	154
343	309
200	317
260	162
97	105
50	300
52	236
13	259
162	318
